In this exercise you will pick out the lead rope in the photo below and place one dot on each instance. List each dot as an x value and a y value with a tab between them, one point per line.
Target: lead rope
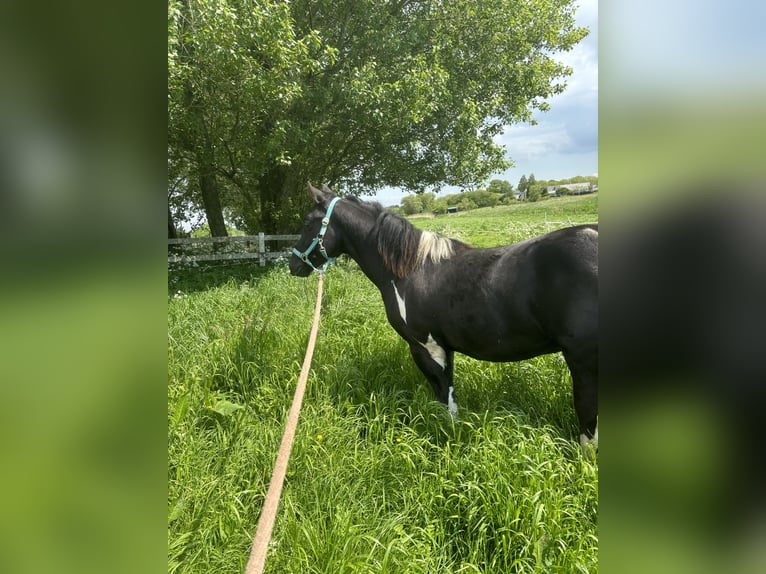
269	513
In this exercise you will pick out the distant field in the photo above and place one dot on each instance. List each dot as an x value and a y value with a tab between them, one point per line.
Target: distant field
382	479
491	226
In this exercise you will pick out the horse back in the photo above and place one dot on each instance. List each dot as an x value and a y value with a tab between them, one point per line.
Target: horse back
515	301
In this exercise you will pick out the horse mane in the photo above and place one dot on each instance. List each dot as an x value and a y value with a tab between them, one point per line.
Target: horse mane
404	248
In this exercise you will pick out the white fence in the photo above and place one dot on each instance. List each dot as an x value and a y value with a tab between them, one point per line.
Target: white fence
193	249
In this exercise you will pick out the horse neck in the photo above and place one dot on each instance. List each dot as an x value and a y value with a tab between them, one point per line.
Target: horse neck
360	242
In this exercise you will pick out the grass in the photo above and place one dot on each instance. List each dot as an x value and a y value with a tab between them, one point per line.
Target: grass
381	478
492	226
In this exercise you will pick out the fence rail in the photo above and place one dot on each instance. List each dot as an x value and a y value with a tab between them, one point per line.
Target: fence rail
261	247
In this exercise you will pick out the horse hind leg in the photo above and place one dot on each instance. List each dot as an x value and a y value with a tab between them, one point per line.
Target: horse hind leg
584	370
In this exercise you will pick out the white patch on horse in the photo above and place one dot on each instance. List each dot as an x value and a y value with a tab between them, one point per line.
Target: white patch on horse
590	231
438	354
451	404
400	302
589	445
434	247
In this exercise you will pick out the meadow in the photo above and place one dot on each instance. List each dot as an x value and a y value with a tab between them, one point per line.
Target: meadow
382	478
491	226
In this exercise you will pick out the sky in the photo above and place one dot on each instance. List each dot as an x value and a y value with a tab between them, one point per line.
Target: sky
564	142
722	51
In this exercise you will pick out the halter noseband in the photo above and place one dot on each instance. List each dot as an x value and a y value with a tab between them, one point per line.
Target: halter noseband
319	240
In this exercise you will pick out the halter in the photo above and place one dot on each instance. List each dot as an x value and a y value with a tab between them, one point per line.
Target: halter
319	240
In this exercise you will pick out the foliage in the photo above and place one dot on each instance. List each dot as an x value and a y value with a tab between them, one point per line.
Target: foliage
422	203
411	205
440	206
482	198
523	184
263	95
381	478
204	231
592	180
535	190
500	187
577	179
234	70
498	192
428	201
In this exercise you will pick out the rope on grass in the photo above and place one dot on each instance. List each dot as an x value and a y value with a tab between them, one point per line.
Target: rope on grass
257	559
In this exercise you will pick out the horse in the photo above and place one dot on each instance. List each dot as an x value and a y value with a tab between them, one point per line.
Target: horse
443	296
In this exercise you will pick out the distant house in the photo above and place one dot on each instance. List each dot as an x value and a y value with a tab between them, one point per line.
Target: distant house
452	209
572	188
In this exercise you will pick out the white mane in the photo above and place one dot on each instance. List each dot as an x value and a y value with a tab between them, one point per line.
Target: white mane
433	247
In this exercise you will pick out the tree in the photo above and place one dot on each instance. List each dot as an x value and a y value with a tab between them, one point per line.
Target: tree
453	199
360	94
533	191
483	198
440	206
536	193
411	205
500	187
465	203
427	201
234	67
523	186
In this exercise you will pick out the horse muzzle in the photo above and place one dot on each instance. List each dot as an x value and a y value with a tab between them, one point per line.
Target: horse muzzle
298	268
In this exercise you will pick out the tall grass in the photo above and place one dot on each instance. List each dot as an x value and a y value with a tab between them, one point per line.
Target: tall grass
382	478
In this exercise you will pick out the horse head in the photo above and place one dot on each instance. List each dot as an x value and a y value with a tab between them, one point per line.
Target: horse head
319	242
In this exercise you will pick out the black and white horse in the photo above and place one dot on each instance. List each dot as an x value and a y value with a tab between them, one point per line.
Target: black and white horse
441	295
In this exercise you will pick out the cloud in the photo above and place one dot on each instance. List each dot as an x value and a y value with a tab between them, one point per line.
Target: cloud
570	127
654	49
532	142
564	142
583	58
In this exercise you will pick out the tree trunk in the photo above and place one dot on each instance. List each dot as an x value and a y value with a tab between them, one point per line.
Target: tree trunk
172	233
252	211
210	199
271	185
278	206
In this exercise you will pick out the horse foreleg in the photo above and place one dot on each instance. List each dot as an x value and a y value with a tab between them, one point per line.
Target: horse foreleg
584	369
436	363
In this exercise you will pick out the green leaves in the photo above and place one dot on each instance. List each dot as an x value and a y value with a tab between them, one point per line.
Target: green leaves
360	94
225	408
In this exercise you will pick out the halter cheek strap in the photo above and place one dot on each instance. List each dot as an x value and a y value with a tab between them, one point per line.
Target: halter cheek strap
319	240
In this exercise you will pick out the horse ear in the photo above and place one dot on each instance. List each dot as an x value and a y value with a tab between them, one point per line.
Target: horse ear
322	196
316	194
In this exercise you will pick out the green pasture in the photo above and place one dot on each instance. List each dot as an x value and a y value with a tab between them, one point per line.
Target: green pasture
491	226
382	479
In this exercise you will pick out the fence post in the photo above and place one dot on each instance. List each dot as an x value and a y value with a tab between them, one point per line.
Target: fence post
262	248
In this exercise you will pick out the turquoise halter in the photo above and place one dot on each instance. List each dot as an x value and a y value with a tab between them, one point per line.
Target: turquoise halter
319	240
